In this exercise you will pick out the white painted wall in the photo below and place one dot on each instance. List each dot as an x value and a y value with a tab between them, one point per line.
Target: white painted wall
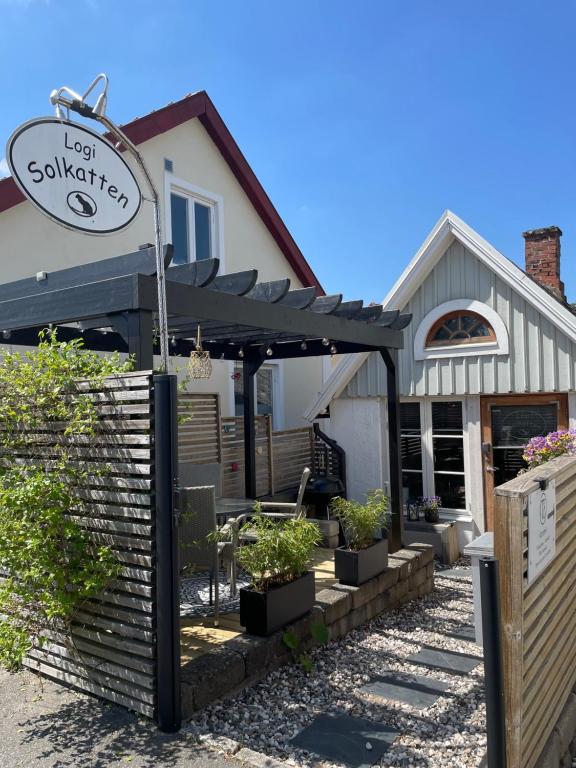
358	426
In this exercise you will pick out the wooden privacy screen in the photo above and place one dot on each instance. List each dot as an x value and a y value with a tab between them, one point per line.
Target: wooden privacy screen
205	438
199	438
232	435
112	648
539	621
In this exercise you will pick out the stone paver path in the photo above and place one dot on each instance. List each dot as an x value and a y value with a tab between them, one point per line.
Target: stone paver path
412	679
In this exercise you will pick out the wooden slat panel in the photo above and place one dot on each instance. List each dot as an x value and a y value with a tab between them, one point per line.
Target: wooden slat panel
112	648
539	621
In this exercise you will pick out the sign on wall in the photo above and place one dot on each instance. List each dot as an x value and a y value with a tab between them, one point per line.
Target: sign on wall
73	175
541	529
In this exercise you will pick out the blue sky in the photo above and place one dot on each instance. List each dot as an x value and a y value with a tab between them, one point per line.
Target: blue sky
363	121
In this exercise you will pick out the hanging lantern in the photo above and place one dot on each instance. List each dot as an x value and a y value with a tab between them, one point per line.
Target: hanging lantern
199	364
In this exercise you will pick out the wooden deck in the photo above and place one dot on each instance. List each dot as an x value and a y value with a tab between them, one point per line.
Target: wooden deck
199	635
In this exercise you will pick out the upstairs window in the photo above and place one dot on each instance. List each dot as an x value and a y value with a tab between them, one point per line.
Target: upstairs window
462	327
192	229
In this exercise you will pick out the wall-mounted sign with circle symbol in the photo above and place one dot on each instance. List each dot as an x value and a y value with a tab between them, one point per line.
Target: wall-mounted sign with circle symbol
73	175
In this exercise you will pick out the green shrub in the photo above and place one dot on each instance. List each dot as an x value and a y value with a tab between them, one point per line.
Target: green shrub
48	561
361	521
282	551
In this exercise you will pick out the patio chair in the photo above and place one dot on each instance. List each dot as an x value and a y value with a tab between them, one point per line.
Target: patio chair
287	509
197	548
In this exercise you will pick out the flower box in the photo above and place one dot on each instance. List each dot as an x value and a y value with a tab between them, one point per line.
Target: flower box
263	613
354	567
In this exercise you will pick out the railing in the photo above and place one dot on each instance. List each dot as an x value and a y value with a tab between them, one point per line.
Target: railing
538	607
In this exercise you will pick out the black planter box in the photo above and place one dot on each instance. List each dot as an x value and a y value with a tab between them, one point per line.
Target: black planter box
355	568
263	613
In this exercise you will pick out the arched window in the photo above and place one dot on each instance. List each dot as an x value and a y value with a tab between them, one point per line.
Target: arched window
460	327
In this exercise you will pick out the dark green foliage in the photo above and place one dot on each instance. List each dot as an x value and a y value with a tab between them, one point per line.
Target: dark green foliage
49	562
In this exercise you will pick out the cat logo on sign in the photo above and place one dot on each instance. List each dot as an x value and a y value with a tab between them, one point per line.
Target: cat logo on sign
73	175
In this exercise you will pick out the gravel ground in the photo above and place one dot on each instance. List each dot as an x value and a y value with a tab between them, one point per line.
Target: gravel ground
450	733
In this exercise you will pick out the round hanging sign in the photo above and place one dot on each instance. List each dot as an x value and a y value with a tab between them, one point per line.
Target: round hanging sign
73	175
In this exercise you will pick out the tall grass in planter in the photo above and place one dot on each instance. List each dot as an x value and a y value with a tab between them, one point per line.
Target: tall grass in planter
365	555
278	561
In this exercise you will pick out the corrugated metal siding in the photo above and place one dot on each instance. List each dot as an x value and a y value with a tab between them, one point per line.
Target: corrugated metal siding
542	358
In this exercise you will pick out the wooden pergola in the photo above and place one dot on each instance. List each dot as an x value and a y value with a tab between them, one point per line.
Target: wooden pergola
112	305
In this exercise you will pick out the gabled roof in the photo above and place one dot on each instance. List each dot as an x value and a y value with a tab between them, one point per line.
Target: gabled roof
199	105
448	228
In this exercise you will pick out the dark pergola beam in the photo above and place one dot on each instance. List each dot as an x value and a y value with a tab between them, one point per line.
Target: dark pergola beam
396	532
69	305
249	370
230	309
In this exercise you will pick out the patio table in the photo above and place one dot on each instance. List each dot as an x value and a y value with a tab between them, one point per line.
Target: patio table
227	507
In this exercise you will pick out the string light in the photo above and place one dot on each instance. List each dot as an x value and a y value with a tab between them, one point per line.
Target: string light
333	349
241	352
326	342
173	341
6	334
269	351
303	346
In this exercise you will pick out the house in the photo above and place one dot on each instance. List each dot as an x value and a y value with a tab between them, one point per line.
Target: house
489	361
213	206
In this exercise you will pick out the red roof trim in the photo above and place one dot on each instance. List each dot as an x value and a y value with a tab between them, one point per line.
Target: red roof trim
199	105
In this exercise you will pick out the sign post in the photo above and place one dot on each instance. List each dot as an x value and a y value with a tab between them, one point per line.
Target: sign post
78	179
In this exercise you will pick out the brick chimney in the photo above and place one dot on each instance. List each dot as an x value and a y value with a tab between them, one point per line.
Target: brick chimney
542	248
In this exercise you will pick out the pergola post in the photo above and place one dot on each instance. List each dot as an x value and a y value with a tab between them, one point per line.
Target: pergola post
141	339
249	370
396	532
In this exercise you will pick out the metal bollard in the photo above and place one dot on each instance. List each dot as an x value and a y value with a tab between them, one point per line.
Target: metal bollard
493	671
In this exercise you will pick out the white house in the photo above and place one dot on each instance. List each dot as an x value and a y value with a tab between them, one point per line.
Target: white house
213	206
489	361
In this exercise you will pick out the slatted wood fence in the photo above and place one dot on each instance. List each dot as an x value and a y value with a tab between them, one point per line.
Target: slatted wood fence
232	435
199	429
111	651
204	437
539	619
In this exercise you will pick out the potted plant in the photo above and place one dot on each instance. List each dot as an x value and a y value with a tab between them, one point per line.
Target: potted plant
431	505
365	555
278	561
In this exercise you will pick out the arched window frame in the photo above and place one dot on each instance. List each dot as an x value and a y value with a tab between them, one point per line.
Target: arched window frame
499	345
431	342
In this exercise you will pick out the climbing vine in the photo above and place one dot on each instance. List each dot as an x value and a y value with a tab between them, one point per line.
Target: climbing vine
48	562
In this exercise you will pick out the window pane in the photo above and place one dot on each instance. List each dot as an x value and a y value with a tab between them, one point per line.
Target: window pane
412	485
264	395
448	454
447	418
202	229
516	424
180	240
410	437
451	490
410	417
238	390
411	449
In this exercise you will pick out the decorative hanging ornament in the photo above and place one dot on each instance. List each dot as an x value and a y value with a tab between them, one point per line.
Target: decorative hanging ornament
199	364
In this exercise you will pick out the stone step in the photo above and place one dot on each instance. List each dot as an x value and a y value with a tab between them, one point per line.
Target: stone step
352	741
418	691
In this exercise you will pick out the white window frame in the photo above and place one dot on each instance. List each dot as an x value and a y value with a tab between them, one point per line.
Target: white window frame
428	483
174	185
498	347
277	367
